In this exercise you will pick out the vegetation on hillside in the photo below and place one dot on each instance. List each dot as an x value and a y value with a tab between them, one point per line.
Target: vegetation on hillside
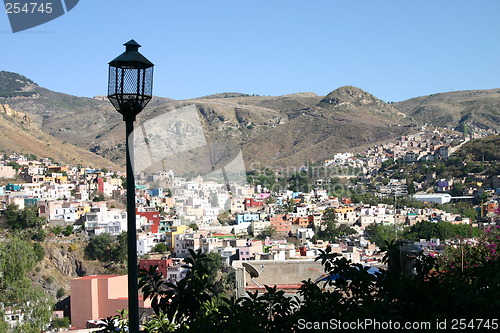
380	234
107	249
13	84
18	257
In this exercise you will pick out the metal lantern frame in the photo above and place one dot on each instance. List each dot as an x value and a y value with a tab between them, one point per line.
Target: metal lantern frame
130	81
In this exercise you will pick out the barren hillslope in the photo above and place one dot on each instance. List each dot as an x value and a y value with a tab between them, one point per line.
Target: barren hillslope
270	130
19	134
346	118
480	108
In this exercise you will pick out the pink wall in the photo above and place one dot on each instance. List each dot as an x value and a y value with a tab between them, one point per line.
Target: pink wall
98	296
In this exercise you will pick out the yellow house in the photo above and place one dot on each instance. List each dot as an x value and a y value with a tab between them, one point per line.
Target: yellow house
170	235
344	209
81	210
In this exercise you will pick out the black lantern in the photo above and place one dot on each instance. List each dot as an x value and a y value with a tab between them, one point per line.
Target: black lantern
130	87
130	84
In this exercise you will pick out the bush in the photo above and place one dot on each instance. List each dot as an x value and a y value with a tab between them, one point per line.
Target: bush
99	247
39	252
60	322
68	230
60	293
57	230
160	248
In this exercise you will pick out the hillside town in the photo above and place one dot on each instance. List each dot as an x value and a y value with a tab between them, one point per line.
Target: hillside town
251	223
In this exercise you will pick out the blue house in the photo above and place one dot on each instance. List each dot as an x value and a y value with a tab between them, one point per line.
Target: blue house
28	202
156	192
247	217
13	187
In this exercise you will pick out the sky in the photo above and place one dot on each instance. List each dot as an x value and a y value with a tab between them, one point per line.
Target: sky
393	49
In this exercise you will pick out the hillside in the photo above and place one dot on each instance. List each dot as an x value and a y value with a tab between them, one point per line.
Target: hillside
19	134
477	108
269	130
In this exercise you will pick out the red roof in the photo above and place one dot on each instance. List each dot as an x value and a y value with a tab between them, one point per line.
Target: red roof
92	277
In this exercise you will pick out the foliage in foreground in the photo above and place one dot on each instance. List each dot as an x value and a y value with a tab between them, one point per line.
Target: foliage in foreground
414	288
17	293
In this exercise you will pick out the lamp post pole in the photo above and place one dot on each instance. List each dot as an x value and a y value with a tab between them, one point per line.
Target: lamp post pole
130	86
133	288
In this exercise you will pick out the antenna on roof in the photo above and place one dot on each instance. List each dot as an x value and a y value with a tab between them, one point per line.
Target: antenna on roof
253	272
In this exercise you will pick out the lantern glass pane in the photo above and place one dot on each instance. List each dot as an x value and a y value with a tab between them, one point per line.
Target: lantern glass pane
130	88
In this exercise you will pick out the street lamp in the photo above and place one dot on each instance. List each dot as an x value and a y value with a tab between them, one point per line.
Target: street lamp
130	87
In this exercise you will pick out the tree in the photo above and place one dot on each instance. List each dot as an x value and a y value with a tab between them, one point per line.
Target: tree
38	251
60	293
160	248
17	259
23	219
68	230
213	265
99	197
290	205
119	251
441	230
15	165
99	247
345	230
60	322
268	231
380	233
328	228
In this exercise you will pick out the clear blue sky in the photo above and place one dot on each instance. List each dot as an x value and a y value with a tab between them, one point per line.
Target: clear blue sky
393	49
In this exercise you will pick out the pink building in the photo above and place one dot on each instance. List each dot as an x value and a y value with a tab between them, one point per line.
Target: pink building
98	296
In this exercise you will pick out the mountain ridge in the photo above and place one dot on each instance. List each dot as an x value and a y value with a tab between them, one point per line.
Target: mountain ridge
271	130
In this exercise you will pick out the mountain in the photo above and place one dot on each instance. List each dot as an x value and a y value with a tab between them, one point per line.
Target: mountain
345	119
476	108
19	134
270	130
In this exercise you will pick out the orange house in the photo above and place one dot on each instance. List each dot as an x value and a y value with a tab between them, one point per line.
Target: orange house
281	223
302	221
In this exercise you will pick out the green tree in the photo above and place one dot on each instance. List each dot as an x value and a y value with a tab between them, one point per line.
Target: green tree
381	234
68	230
60	322
441	230
328	227
99	247
99	197
15	165
26	218
119	251
160	248
57	230
60	293
39	251
213	265
17	259
268	231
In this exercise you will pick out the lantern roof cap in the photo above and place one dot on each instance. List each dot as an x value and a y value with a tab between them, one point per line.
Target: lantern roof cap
131	57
